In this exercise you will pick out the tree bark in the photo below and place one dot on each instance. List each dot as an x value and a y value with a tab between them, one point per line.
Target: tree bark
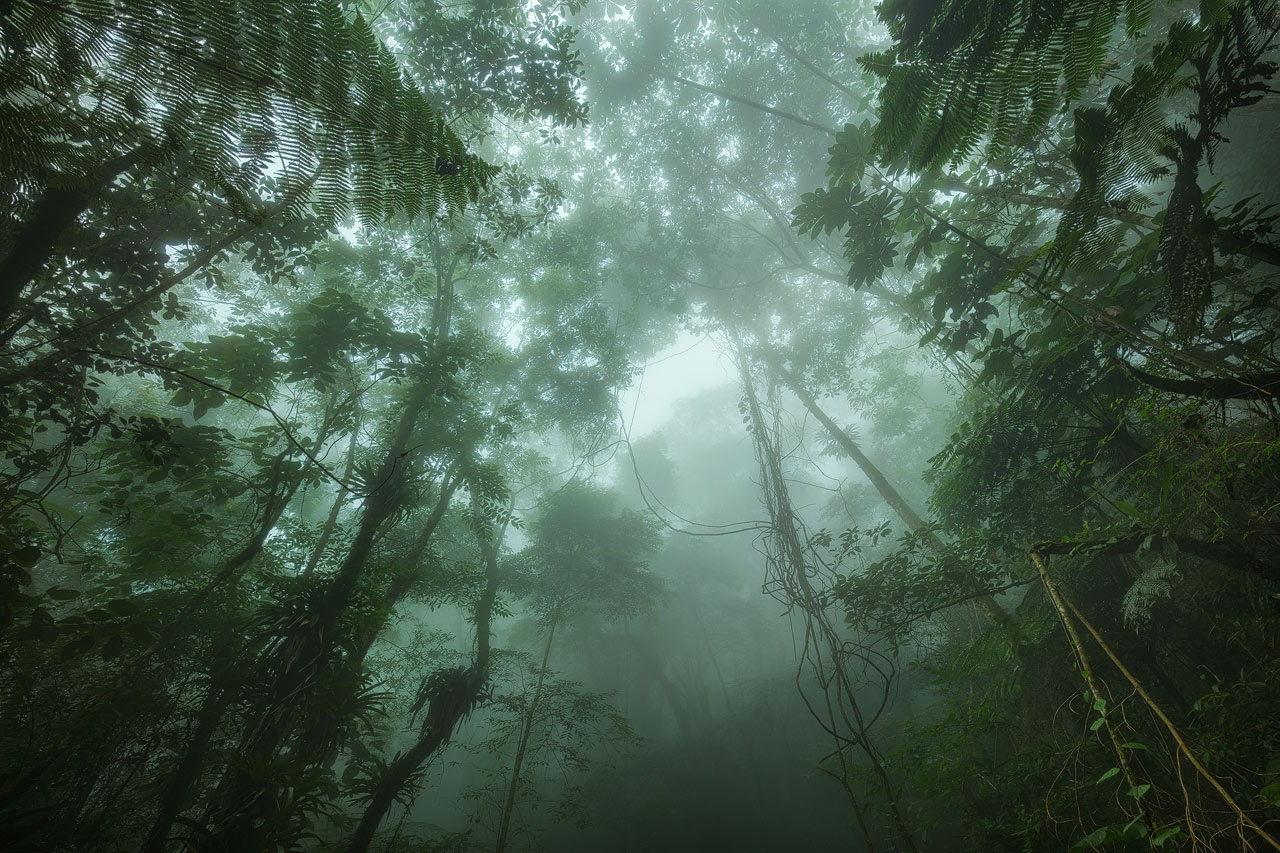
331	523
1227	554
1247	386
305	652
1225	241
844	719
177	790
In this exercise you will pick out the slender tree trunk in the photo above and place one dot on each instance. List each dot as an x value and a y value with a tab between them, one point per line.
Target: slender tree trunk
277	501
390	785
305	653
844	719
883	487
318	737
724	95
400	586
331	523
526	729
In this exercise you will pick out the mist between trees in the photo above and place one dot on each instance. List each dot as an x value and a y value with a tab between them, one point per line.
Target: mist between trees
655	425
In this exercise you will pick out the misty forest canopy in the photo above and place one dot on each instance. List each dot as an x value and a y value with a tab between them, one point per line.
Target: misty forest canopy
658	425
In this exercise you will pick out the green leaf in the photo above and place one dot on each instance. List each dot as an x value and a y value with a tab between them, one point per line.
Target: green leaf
1105	776
1093	839
1138	790
1134	745
1128	509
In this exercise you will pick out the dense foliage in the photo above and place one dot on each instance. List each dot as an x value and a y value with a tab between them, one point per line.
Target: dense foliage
336	512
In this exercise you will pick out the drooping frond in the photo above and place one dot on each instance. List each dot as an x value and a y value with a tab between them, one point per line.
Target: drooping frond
960	72
301	92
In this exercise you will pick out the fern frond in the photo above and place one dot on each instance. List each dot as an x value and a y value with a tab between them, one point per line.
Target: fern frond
238	87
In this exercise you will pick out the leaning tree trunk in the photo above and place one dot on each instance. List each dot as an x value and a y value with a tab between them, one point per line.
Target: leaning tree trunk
318	737
985	603
824	647
331	523
176	793
304	654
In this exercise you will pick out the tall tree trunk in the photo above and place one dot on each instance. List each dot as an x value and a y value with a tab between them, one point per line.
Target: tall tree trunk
400	586
305	653
279	494
985	603
317	739
526	728
177	790
844	719
443	714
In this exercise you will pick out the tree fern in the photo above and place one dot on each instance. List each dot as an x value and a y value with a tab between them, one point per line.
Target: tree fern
1157	580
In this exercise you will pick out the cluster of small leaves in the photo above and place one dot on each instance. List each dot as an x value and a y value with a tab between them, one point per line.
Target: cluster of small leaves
888	596
520	60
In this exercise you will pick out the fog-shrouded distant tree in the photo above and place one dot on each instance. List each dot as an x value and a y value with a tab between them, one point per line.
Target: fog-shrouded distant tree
585	560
